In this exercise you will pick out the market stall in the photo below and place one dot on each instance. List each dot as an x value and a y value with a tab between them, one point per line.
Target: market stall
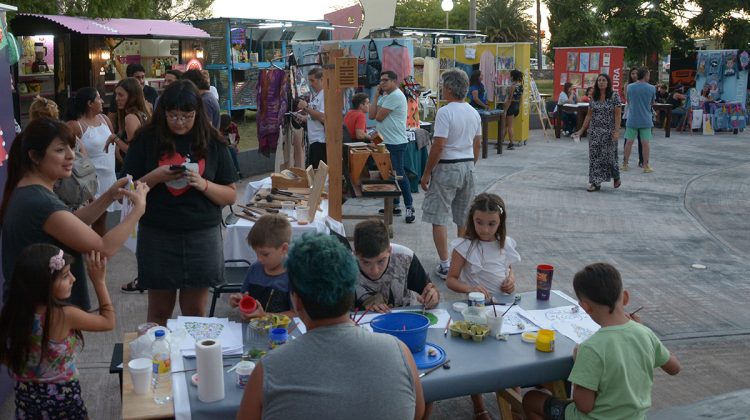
725	72
240	48
7	123
496	62
582	65
61	54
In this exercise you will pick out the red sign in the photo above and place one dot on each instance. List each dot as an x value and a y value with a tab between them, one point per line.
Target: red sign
194	64
582	65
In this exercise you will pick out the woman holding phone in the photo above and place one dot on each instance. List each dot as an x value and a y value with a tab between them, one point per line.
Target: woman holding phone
186	163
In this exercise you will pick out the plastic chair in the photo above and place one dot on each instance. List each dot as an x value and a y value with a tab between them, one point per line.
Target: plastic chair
233	279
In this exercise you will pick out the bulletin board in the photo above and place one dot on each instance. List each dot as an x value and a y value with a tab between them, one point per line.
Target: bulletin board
582	65
496	62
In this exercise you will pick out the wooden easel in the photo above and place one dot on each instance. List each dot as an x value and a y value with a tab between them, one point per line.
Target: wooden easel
541	108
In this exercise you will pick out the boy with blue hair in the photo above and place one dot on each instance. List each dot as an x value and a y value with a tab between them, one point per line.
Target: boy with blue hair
613	371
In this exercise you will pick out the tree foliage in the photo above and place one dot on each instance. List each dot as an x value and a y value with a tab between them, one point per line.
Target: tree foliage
573	23
429	14
506	20
727	19
138	9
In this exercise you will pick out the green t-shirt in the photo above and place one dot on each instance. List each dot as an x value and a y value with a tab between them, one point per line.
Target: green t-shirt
393	127
618	363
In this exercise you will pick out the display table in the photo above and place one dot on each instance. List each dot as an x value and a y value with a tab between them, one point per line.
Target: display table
489	366
667	109
729	116
487	117
580	109
415	159
139	406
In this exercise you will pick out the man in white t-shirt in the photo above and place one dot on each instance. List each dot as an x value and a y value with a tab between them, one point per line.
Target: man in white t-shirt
449	175
316	132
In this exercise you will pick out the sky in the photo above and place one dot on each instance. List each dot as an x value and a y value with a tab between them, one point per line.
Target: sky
302	9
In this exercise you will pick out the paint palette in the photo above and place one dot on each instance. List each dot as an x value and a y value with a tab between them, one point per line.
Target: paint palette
425	360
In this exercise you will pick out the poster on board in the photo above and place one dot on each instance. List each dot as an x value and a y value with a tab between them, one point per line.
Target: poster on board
572	61
589	79
594	61
584	63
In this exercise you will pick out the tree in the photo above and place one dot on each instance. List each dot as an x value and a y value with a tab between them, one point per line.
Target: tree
429	14
727	19
573	23
138	9
506	20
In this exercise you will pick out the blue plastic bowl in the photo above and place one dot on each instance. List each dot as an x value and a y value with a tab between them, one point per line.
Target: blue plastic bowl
410	328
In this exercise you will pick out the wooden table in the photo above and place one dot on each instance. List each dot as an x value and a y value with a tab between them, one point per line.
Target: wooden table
580	109
667	108
139	406
488	117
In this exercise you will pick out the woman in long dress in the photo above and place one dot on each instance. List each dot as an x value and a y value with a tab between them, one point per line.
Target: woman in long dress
94	130
603	123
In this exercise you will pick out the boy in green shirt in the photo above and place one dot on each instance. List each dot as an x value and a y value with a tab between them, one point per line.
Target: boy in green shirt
614	369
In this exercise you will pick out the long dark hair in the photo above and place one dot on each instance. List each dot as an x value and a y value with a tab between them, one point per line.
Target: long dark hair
81	101
488	203
31	285
136	103
607	91
34	140
630	72
566	88
474	79
182	95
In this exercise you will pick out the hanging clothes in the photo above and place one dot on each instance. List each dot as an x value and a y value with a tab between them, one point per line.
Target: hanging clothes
396	58
489	73
272	105
430	76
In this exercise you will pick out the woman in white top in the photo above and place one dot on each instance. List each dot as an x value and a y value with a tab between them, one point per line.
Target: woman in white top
94	130
567	96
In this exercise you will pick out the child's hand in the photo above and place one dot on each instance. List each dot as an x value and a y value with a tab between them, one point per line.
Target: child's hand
634	317
509	284
481	289
380	308
257	313
430	296
235	298
96	266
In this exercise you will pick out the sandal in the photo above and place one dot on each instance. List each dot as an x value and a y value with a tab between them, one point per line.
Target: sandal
131	287
593	188
617	183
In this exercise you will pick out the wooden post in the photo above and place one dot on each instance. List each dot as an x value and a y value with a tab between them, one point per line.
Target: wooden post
334	104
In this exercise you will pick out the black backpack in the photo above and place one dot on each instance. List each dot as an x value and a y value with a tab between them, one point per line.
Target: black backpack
374	66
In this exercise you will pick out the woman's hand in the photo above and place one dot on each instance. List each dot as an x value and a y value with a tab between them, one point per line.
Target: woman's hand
96	265
259	312
481	289
615	135
196	181
137	197
301	105
111	141
115	192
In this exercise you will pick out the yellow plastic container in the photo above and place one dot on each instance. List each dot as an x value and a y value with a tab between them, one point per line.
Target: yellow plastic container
545	341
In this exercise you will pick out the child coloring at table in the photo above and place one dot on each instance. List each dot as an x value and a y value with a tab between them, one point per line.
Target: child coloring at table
613	370
40	335
481	260
266	279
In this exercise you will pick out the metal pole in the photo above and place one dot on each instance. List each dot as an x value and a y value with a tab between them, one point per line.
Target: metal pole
473	15
538	35
446	20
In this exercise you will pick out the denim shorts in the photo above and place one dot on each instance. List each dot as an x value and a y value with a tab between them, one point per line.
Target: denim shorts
450	193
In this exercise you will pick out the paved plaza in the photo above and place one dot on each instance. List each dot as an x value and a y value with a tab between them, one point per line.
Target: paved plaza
692	210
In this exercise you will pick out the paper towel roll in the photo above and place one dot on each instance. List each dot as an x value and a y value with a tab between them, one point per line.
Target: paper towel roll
210	370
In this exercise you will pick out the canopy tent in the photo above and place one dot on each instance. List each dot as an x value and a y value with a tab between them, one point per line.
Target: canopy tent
30	24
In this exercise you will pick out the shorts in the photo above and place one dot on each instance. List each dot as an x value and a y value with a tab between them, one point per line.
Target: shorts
513	109
40	400
450	194
645	133
554	408
171	260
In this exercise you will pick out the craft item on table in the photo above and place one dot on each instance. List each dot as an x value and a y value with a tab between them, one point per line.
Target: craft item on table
574	324
248	304
545	341
292	178
272	95
515	320
208	354
228	333
529	337
459	306
469	330
432	356
441	315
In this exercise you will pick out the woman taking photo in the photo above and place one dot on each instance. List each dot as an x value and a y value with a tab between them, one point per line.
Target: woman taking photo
604	121
187	164
32	213
94	130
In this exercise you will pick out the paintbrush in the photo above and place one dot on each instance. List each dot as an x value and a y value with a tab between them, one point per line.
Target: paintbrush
636	311
506	311
354	315
292	329
492	302
447	326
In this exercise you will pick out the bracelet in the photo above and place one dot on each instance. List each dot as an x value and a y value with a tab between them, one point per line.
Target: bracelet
206	189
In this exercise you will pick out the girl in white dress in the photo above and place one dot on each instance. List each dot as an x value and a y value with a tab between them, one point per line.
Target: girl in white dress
95	132
481	260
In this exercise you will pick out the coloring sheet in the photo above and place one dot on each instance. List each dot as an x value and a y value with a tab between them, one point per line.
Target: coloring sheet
229	334
570	321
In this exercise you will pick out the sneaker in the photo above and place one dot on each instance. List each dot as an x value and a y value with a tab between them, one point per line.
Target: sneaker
640	164
647	169
396	211
441	272
131	287
410	216
624	167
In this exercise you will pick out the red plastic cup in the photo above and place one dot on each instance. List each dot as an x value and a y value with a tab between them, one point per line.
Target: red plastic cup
544	281
248	304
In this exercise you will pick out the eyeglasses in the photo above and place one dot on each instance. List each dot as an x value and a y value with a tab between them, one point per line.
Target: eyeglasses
174	118
384	80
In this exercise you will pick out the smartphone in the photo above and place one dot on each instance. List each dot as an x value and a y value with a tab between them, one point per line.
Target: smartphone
177	168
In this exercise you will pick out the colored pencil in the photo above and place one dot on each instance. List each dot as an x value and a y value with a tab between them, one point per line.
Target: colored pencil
447	326
361	316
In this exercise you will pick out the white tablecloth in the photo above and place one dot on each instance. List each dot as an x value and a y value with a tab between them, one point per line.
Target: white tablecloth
235	238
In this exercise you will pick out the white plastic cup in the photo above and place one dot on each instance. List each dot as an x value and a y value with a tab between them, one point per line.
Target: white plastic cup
140	374
495	322
303	216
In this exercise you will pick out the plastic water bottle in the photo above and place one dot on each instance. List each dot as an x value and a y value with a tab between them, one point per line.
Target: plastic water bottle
161	359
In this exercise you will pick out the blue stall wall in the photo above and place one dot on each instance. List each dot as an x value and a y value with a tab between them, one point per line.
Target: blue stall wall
305	52
733	88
